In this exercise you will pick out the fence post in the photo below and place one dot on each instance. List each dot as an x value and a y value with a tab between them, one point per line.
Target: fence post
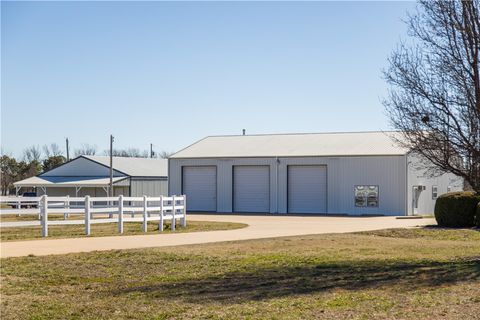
87	215
145	221
173	213
19	207
160	223
40	214
67	207
120	214
44	213
184	219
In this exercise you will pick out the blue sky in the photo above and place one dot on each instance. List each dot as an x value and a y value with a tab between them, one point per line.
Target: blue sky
170	73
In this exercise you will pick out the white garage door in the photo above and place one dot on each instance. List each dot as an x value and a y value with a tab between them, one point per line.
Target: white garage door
200	186
307	189
251	189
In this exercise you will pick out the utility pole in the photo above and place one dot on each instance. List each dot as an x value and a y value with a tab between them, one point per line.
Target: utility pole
68	150
111	165
151	150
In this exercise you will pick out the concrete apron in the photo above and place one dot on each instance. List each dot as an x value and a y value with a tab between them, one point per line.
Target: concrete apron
259	227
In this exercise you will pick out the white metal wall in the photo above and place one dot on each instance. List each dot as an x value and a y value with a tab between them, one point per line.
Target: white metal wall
343	173
148	187
418	174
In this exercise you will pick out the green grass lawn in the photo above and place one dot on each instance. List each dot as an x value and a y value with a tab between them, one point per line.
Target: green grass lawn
394	274
110	229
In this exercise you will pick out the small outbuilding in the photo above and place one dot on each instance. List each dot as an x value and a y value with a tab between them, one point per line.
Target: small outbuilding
360	173
90	175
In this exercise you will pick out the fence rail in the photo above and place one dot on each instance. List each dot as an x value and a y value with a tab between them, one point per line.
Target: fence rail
159	209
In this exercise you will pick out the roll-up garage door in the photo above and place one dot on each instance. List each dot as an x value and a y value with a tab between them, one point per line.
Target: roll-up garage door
307	189
251	188
200	186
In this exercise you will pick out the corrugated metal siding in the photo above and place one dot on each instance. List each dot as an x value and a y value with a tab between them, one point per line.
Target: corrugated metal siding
419	175
343	173
148	187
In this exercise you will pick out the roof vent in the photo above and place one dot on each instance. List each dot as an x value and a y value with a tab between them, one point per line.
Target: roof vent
243	131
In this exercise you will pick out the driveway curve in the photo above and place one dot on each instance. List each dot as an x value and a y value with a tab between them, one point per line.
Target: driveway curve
258	227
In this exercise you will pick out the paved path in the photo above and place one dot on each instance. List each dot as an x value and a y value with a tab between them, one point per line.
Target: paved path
259	227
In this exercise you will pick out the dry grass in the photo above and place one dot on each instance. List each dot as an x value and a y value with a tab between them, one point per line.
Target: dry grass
109	229
354	276
34	217
430	232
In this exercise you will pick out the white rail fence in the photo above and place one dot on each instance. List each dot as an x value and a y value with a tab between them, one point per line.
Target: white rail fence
161	209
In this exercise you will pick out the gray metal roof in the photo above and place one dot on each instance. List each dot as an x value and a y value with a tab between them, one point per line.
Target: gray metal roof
135	167
295	145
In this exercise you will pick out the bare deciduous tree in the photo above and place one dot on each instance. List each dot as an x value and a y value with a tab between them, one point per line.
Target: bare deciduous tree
128	153
32	153
164	154
86	149
434	98
52	150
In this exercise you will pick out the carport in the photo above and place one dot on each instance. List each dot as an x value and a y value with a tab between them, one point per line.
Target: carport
70	185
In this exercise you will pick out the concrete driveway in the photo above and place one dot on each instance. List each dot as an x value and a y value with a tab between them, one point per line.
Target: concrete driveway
259	227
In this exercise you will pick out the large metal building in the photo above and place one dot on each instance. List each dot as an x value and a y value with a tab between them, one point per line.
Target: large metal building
90	175
363	173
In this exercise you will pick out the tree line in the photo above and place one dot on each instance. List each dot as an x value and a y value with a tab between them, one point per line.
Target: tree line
36	159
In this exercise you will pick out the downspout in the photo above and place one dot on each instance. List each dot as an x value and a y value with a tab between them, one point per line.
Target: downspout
407	189
277	162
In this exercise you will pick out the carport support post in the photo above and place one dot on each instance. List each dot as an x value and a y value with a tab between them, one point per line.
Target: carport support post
160	223
44	212
120	214
87	215
173	213
184	219
145	220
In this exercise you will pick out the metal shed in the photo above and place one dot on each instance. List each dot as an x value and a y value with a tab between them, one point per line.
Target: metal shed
359	173
90	175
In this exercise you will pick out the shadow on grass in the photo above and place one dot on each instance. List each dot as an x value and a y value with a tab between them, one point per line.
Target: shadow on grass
276	282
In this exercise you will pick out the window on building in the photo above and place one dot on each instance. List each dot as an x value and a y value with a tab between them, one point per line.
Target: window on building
360	196
434	192
366	196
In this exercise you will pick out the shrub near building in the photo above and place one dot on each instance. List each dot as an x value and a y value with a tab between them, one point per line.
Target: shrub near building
457	209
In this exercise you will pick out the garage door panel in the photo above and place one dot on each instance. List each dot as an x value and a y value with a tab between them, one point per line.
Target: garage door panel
307	189
200	186
251	188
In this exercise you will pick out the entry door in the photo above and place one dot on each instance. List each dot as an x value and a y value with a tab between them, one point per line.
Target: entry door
307	189
199	184
417	190
251	188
